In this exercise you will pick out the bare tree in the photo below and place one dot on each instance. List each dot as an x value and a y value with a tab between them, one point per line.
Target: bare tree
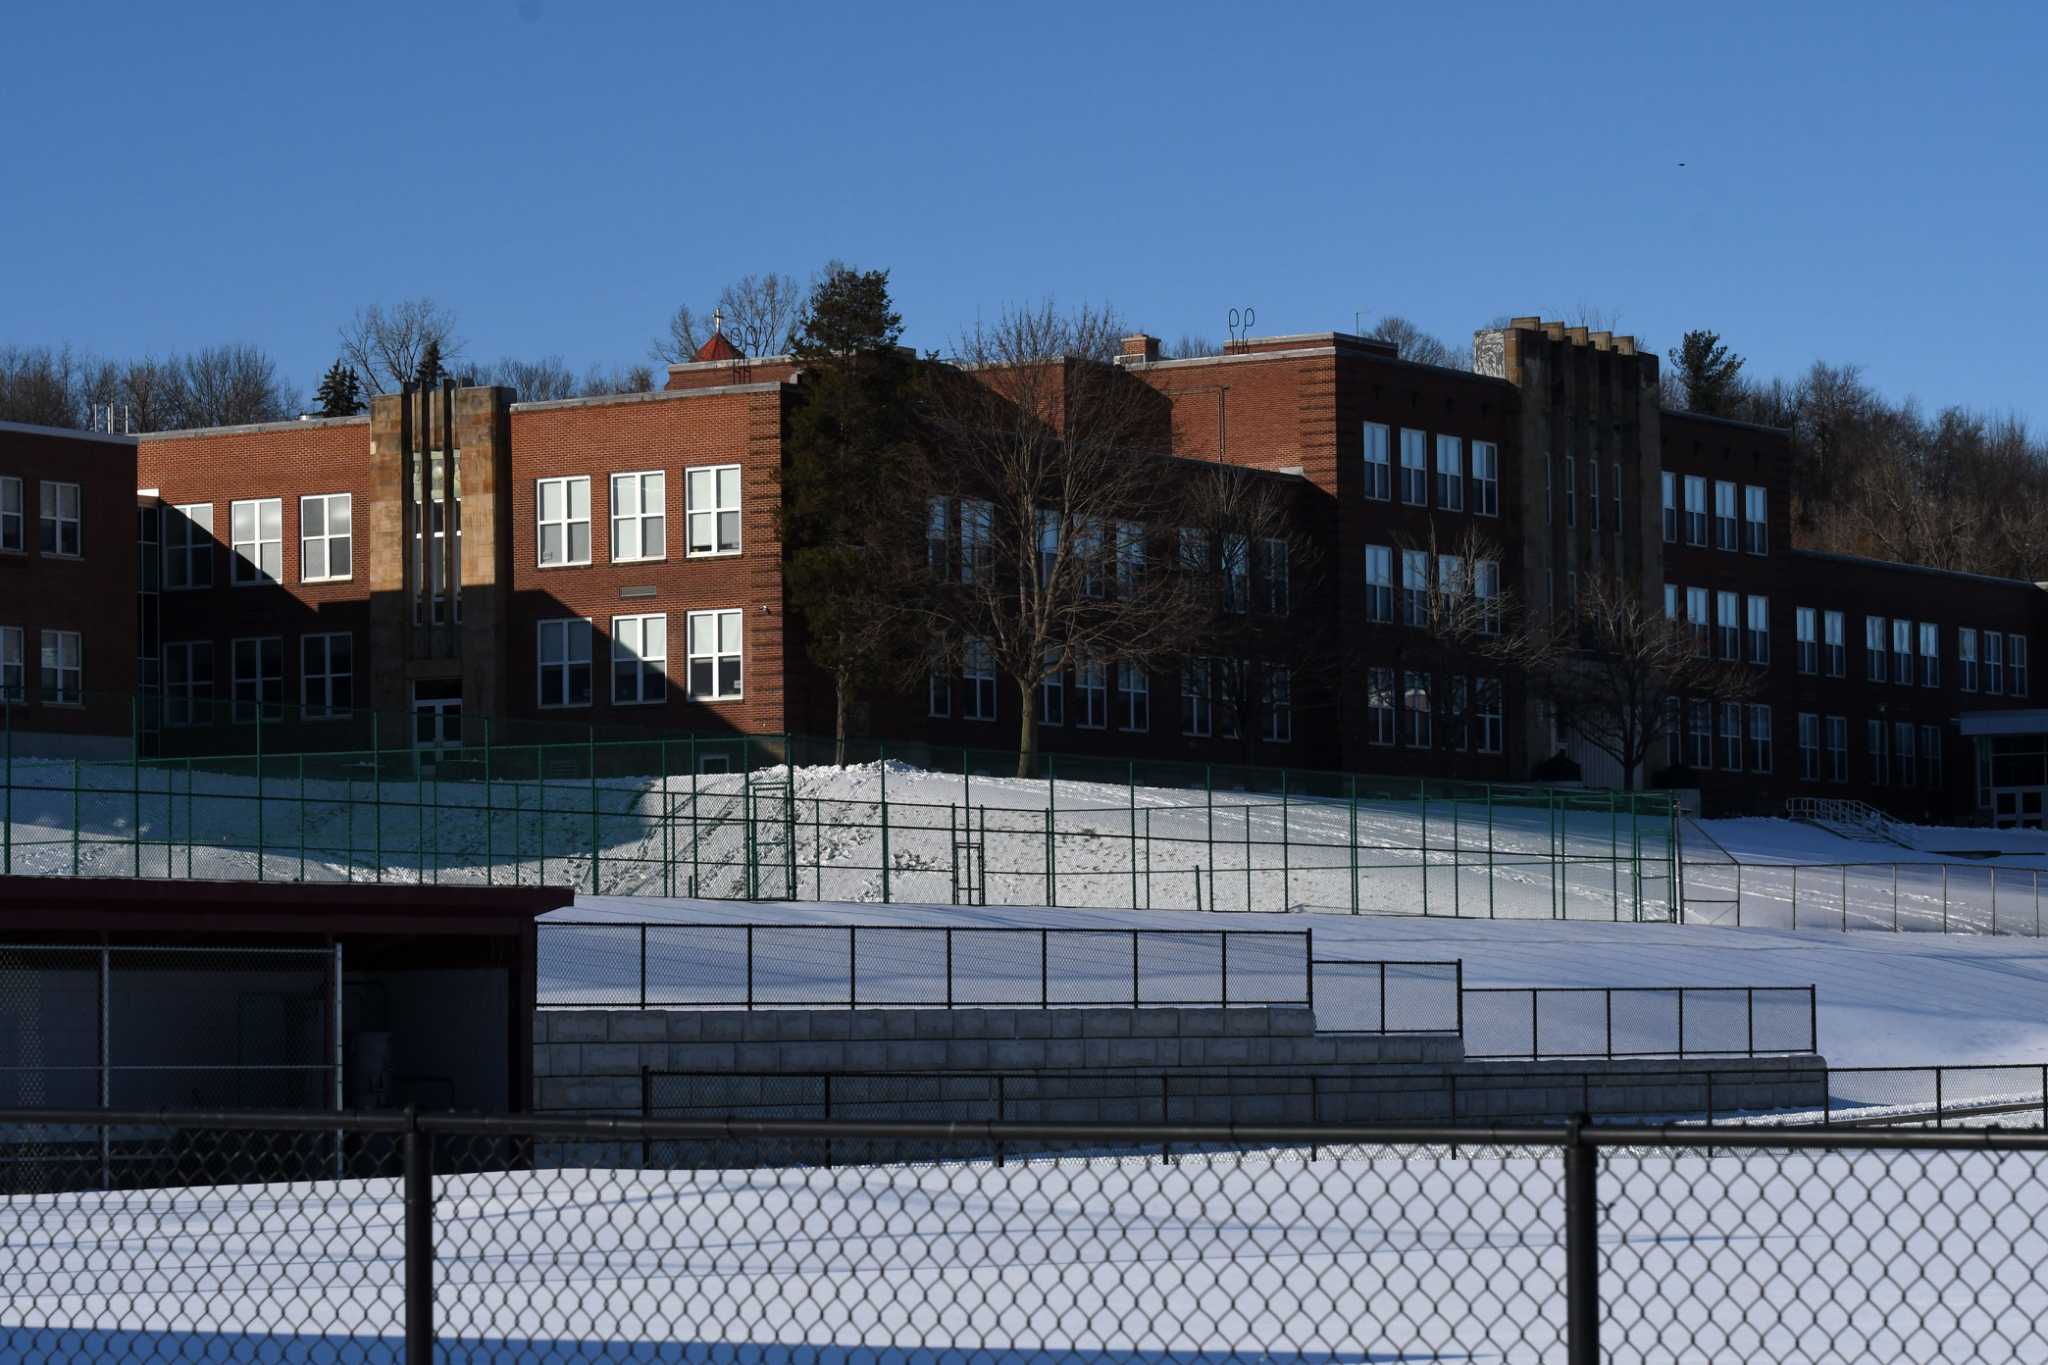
386	347
1411	342
43	387
757	313
1466	629
1049	508
599	382
535	381
1188	346
231	385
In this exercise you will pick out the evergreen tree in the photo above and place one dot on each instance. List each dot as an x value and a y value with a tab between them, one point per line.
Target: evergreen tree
341	393
1709	372
430	370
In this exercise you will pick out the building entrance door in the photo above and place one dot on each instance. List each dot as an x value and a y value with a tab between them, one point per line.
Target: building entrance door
437	714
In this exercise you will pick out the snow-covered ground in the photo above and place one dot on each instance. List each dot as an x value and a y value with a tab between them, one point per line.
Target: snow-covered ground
1764	1256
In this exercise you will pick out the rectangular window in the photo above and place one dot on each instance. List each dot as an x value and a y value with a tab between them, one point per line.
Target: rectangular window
188	546
1194	551
938	541
1617	502
1450	473
712	510
1379	475
188	682
1874	736
978	681
639	659
1874	667
325	537
1091	683
1414	469
1593	494
639	516
1673	754
1930	757
256	531
61	533
1902	652
1048	545
1379	705
1671	601
2016	663
1492	716
1549	515
1133	699
1414	588
562	652
1130	559
1731	736
1670	483
939	692
257	676
1571	491
1052	692
1415	710
1728	626
562	520
1379	583
1197	707
1760	757
1759	627
1458	714
713	640
1836	647
63	667
1903	749
1278	709
1756	537
1486	590
1237	575
1804	629
436	565
1994	662
1273	576
1809	747
13	666
1930	654
1966	657
1486	478
1837	735
11	515
977	539
1724	515
1695	509
1450	583
1696	617
326	676
1699	731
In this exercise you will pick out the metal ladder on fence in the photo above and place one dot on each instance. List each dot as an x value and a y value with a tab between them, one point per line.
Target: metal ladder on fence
771	840
970	858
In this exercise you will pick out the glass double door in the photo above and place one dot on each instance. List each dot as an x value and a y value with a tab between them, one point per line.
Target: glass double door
437	714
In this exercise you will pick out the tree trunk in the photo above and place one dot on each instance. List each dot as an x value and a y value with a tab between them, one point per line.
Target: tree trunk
1027	729
839	721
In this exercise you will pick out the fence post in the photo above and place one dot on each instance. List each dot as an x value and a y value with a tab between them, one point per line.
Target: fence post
1134	969
1354	845
1223	965
1581	1246
882	767
1681	1021
643	965
853	966
1308	967
1608	997
1044	974
1812	1019
1749	1009
1944	897
1383	999
1131	789
1994	902
1459	968
750	966
418	1150
1534	1023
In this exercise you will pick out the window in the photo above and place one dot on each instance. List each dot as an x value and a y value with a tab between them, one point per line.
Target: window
1902	653
1278	712
1571	491
938	541
1414	587
563	515
1548	514
10	513
188	546
1759	738
1930	654
63	667
1874	669
1414	473
1874	737
1450	473
1930	756
1617	502
1415	708
1837	734
1695	510
711	511
563	654
1486	478
1197	707
1809	747
1835	635
939	692
1133	698
1458	714
324	539
978	681
639	516
1273	575
1486	588
13	667
257	678
1759	625
1994	662
1194	550
1728	625
1379	706
1696	617
1130	559
1048	545
1237	575
188	682
1450	584
1672	753
436	564
1731	736
977	539
1966	657
2016	662
1699	733
1593	494
1671	601
1052	692
61	519
1903	751
1803	628
1755	520
326	676
1379	477
1724	514
1670	482
713	639
1379	583
1492	715
639	659
256	531
1091	681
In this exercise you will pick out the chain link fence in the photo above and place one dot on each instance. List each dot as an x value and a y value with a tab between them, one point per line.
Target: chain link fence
1900	897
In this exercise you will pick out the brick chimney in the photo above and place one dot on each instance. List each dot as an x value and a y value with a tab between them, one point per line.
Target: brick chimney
1141	346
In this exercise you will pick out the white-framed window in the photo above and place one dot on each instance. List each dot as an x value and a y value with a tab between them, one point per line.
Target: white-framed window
1875	669
1485	478
1835	633
62	514
1930	756
1756	536
1414	468
1379	583
257	678
1966	657
1415	710
938	540
13	666
1237	574
1593	494
1724	514
1809	747
1414	587
1133	699
639	516
2016	661
1699	735
1671	601
1048	545
1731	736
188	682
1492	715
1930	654
1052	692
978	681
1130	557
1379	706
977	538
562	662
1760	756
562	520
1273	582
939	692
1759	627
326	537
639	659
1902	652
1728	625
1874	737
256	533
1450	582
714	641
188	546
1695	509
1486	589
12	535
1836	735
1379	477
1696	617
436	565
1450	473
326	675
1571	491
712	510
1091	687
1278	711
1806	632
1197	706
1905	751
1670	484
63	667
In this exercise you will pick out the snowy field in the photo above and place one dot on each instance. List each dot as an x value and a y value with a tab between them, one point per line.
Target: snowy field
1778	1256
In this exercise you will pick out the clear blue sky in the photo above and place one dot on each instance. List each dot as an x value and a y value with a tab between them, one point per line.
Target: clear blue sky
1862	183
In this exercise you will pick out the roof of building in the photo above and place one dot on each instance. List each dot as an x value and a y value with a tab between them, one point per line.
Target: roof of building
68	433
716	347
1870	561
99	904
